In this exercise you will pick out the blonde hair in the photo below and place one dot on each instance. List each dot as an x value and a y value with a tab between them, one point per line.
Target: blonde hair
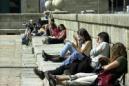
117	50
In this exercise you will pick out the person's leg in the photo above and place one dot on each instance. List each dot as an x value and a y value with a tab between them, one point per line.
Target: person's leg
54	41
85	80
74	56
59	70
39	73
84	66
68	47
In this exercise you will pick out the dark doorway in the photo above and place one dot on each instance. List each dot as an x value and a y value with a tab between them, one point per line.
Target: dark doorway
10	6
15	6
117	5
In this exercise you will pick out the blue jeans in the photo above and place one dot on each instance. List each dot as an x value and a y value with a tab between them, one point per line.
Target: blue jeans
68	47
75	55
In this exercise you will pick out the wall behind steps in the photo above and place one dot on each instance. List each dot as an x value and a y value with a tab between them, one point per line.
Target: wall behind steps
116	25
12	23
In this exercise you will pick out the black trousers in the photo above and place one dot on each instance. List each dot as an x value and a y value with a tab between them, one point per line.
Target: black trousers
76	67
54	41
59	70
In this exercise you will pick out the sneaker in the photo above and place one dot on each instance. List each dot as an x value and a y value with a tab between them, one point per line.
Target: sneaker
40	74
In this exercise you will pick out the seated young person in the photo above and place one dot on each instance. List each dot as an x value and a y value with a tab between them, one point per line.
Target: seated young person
102	49
58	38
117	66
82	44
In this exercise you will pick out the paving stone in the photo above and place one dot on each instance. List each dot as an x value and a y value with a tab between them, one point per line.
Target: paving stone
17	62
10	51
37	40
51	49
46	65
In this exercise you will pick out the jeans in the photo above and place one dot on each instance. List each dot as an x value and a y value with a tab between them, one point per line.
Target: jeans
75	55
68	47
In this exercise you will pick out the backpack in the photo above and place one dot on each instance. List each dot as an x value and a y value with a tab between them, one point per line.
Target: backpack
25	40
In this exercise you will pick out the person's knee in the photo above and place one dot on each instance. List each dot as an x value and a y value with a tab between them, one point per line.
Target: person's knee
68	44
77	55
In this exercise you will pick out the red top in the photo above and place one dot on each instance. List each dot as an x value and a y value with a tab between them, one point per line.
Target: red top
62	34
55	31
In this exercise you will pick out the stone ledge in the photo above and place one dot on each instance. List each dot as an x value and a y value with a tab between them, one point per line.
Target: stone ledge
120	20
3	31
72	17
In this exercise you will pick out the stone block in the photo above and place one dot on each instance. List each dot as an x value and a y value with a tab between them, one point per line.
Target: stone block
65	16
82	5
87	27
30	6
127	75
111	19
46	65
119	35
128	39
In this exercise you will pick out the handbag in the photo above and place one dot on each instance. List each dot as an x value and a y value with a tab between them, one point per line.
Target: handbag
105	78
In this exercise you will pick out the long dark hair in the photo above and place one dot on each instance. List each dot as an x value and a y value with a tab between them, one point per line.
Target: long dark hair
83	33
117	50
104	36
62	26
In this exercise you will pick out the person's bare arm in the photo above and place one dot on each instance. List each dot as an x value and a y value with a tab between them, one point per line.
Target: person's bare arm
112	65
63	33
85	46
75	42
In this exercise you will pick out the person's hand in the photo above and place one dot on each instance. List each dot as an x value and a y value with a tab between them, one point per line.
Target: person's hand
104	60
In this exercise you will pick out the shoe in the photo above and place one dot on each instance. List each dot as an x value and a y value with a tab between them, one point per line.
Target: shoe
40	74
51	79
44	56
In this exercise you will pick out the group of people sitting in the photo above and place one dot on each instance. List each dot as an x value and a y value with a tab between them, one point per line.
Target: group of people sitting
83	64
55	34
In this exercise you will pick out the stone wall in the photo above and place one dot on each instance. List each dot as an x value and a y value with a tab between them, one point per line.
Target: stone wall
12	23
76	6
30	6
117	26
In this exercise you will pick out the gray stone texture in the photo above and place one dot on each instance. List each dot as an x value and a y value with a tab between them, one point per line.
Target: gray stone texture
116	25
29	6
76	6
12	23
16	63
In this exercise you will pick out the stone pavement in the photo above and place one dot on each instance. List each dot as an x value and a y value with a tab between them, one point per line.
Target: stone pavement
16	63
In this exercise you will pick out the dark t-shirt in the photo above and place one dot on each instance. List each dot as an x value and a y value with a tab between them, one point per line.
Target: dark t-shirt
122	68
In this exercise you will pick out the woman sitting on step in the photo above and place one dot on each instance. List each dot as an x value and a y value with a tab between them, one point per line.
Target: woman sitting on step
82	44
59	38
102	48
116	67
